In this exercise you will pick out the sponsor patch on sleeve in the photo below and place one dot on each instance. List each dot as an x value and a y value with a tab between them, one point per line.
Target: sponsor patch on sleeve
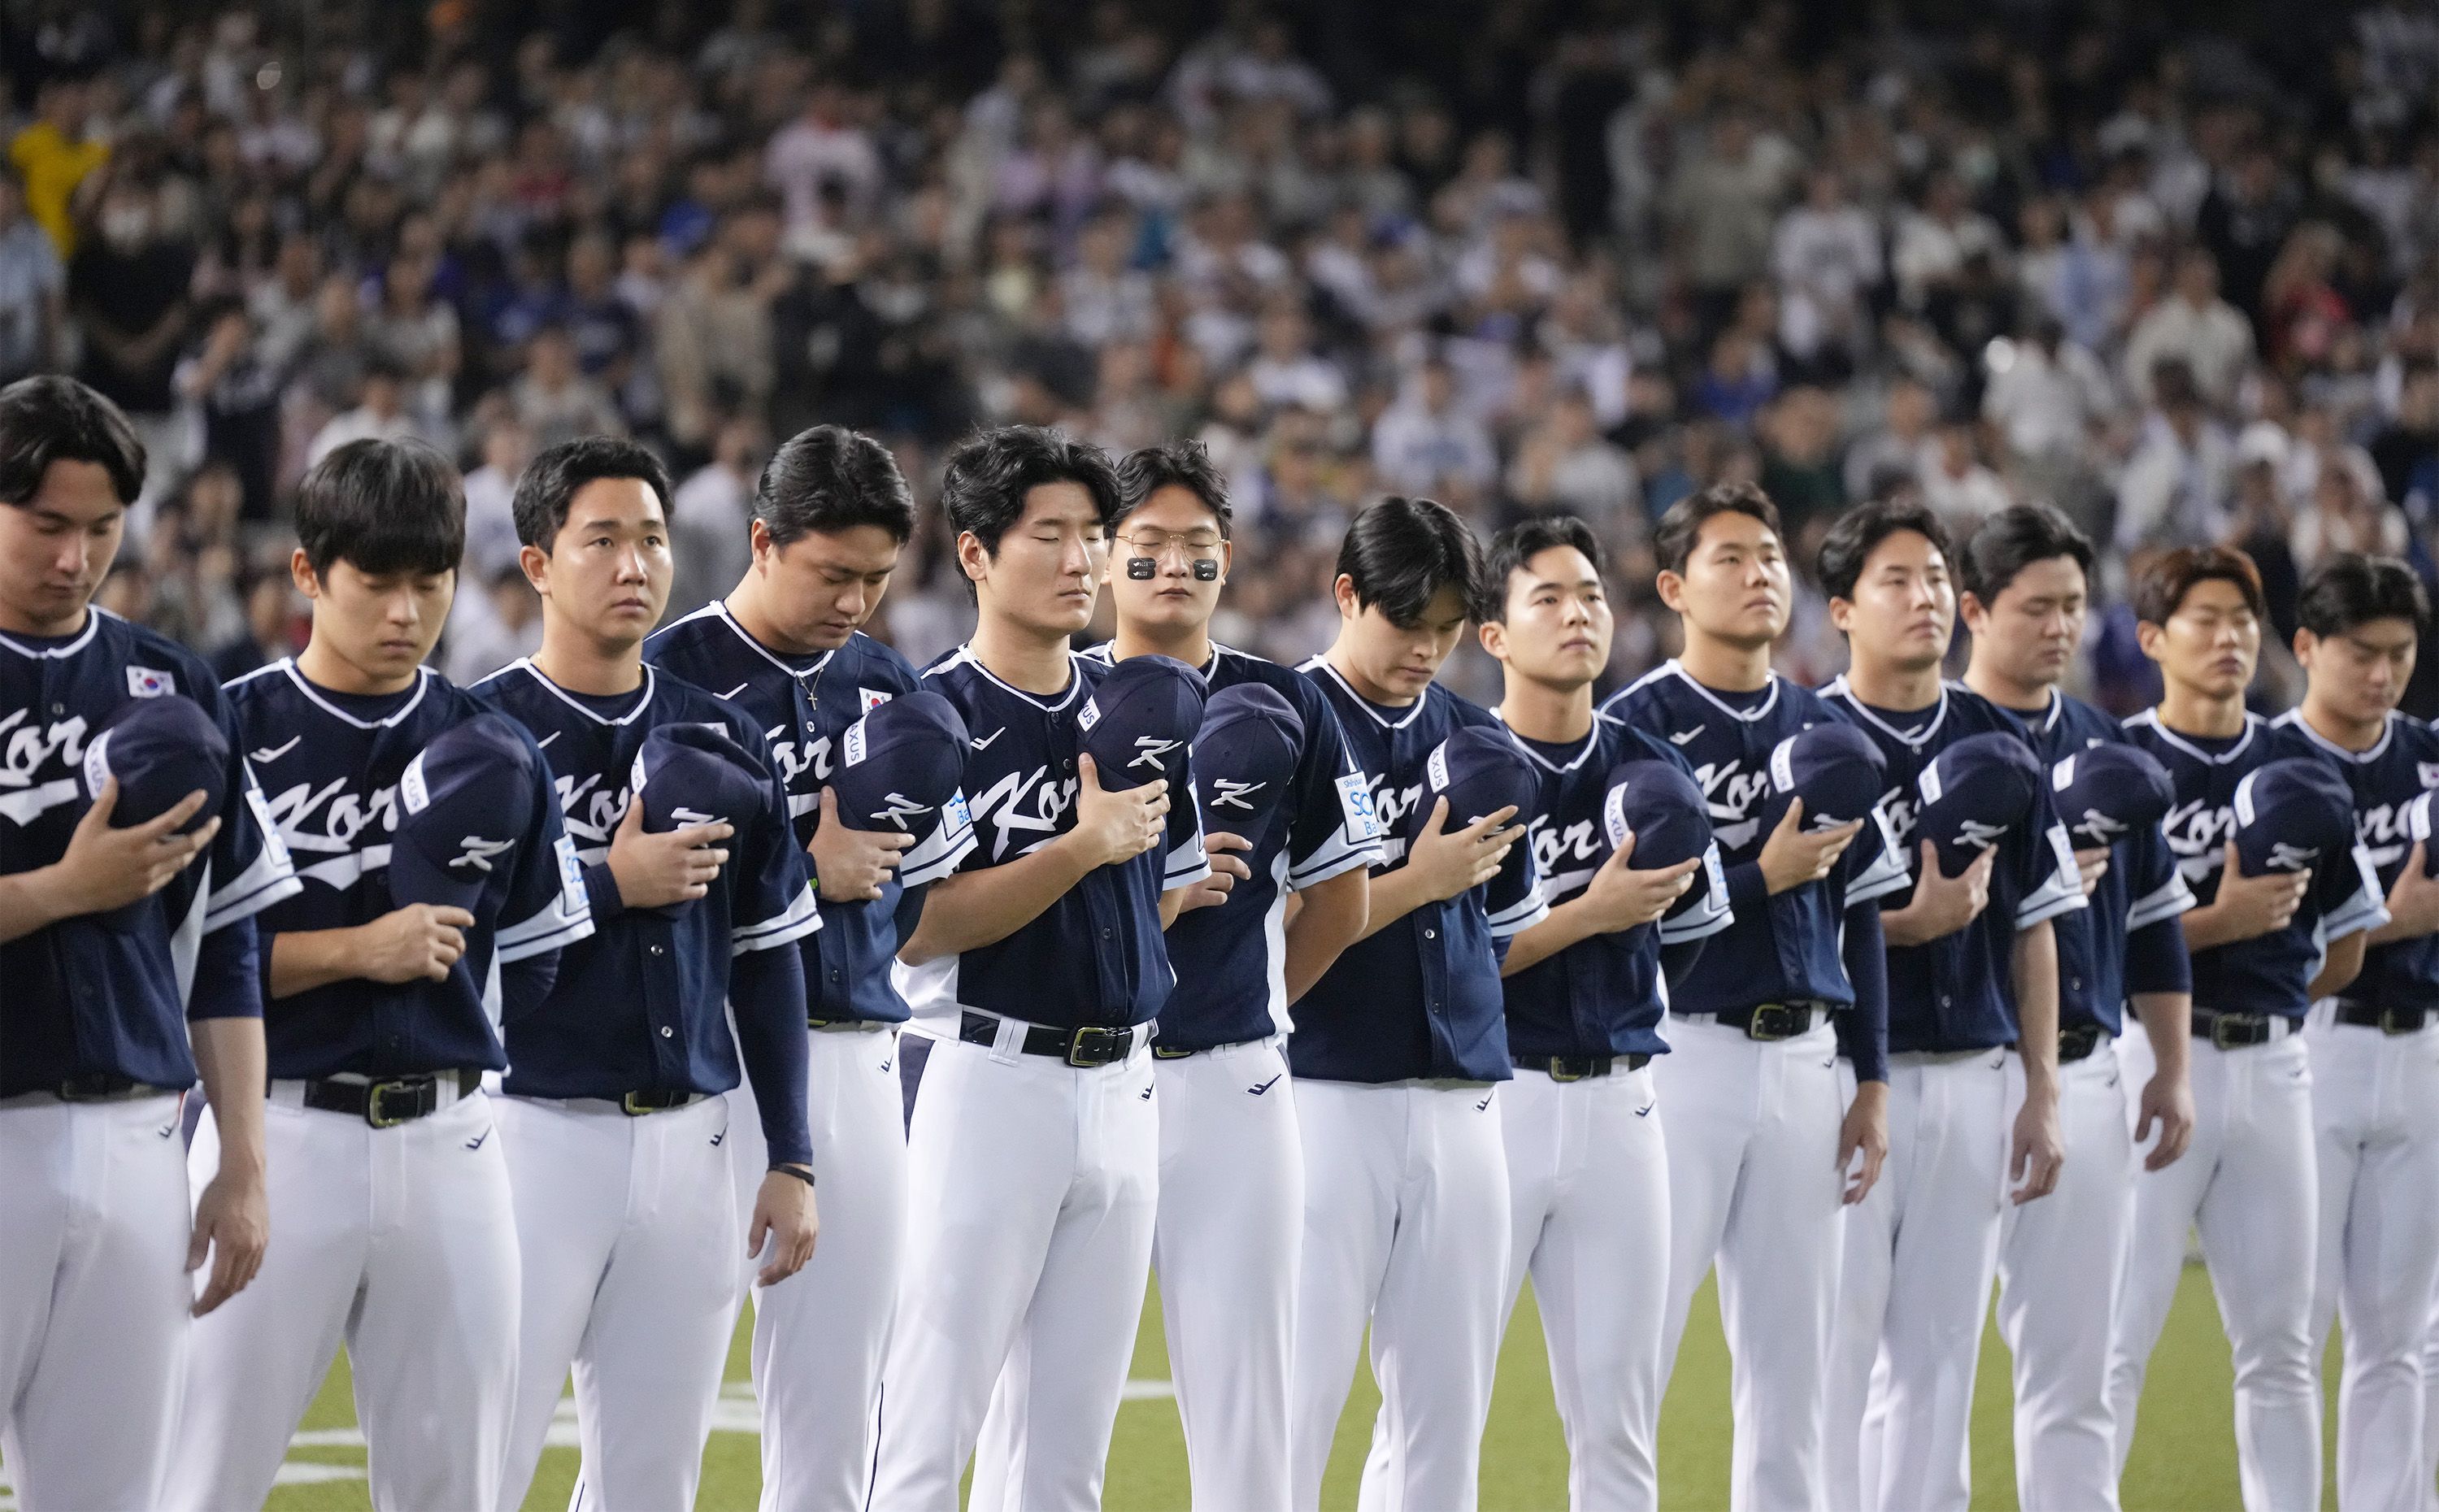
1355	798
571	878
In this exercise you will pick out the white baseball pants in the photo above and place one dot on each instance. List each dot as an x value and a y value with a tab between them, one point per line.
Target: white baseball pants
2248	1182
93	1294
2376	1120
628	1235
403	1243
2061	1264
1754	1187
1588	1183
1406	1224
1030	1198
820	1335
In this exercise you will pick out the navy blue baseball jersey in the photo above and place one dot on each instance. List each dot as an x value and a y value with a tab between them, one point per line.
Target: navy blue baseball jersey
2141	890
1958	992
2401	766
1776	949
1603	995
110	995
1420	998
1231	960
805	706
2269	974
1096	956
645	1003
330	764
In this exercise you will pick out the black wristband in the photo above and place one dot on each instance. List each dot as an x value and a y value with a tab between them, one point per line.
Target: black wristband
801	1173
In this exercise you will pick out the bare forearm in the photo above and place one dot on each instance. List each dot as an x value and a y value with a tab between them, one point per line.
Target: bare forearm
302	960
2168	1022
1909	926
2340	967
1395	894
2036	1005
1568	924
2208	926
230	1054
28	902
1329	916
1172	903
978	908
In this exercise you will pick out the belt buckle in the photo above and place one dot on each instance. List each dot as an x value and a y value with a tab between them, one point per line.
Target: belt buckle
91	1087
627	1104
1558	1072
1767	1013
2395	1021
1170	1052
1096	1035
376	1091
2223	1029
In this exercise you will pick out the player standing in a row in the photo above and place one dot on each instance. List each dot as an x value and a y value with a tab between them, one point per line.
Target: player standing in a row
1401	1044
2264	947
1764	1147
130	955
616	1110
1231	1167
1972	969
2026	588
391	1219
830	516
2375	1048
1587	1164
1034	976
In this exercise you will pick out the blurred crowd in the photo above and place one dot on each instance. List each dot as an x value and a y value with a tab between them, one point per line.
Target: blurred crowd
1519	257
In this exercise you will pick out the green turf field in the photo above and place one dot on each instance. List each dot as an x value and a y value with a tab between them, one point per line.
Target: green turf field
2184	1459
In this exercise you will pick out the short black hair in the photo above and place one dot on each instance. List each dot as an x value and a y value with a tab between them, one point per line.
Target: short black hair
49	419
827	479
2161	589
1859	531
2013	540
990	472
2350	589
553	479
1182	464
1674	538
1523	540
384	506
1401	551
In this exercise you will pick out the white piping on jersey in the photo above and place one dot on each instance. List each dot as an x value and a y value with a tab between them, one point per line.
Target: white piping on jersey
1672	667
1915	741
525	664
2149	718
2293	719
93	615
717	610
965	657
1424	698
2166	900
1591	738
422	684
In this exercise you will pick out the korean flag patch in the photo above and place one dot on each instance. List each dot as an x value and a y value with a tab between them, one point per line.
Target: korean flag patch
150	682
869	699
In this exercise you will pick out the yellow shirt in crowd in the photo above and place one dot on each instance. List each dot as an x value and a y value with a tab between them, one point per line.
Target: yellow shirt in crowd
52	167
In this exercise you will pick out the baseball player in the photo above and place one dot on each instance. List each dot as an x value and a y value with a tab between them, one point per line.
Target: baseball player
616	1114
390	1215
1231	1219
2265	944
2375	1048
1587	1163
127	943
1764	1146
1401	1044
1034	976
830	516
2025	576
1920	1250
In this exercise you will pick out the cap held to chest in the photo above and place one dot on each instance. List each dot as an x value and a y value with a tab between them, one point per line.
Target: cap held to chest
160	749
1835	769
465	803
905	759
1973	793
1138	724
1245	759
2294	815
2106	792
1479	771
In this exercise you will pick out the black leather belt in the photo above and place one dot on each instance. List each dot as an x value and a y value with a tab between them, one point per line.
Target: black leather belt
2387	1020
1773	1021
636	1104
391	1100
103	1085
1580	1068
1090	1045
1180	1052
2233	1031
2076	1042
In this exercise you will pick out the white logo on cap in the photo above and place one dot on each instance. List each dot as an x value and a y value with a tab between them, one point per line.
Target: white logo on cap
478	852
897	807
853	745
1150	749
411	790
1092	715
97	765
1233	794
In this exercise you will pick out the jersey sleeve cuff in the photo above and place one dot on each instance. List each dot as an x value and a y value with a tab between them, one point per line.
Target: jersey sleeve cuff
1335	859
940	854
2169	900
1521	915
803	916
555	928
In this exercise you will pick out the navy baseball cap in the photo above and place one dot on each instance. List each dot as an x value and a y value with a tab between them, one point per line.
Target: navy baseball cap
160	749
1138	725
697	775
1972	794
463	804
905	759
1480	771
1834	768
1667	811
2292	815
2108	791
1245	759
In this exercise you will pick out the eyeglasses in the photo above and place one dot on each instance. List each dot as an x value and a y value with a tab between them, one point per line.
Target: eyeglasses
1197	546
